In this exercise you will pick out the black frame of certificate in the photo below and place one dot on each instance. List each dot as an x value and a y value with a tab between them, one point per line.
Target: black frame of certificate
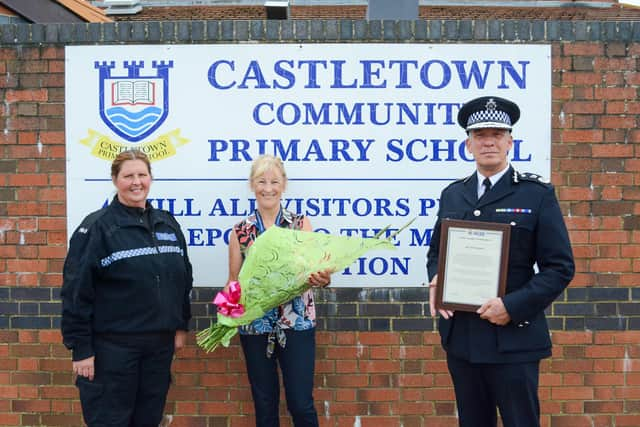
505	229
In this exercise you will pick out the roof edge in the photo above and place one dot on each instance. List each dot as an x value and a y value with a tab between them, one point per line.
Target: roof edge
441	3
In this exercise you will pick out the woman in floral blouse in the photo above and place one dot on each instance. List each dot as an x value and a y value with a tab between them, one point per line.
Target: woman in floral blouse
285	335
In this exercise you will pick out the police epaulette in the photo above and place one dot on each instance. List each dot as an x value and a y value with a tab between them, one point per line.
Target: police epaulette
90	220
459	180
532	177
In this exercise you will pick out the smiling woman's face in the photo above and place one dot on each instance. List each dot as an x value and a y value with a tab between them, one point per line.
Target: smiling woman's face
133	183
490	148
268	188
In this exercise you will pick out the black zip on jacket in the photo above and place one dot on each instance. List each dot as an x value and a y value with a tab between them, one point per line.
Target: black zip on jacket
126	272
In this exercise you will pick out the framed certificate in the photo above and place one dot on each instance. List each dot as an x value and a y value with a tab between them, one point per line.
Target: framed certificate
472	265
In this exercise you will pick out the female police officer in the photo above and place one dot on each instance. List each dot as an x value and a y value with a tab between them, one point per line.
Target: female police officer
125	302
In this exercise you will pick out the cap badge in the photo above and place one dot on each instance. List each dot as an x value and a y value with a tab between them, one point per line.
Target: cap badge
490	105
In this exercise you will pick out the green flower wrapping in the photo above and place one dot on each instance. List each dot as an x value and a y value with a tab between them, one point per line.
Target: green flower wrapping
276	268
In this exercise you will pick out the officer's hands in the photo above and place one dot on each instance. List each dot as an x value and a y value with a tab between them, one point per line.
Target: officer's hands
180	339
447	314
495	312
85	367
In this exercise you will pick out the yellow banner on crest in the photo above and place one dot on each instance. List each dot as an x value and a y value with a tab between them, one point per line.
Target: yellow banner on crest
160	148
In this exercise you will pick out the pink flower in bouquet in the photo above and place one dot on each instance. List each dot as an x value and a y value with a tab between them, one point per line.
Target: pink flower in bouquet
228	302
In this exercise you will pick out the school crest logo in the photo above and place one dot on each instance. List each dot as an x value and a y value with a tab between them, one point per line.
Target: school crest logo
134	104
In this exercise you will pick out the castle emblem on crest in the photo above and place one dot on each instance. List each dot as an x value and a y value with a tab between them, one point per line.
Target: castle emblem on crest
133	106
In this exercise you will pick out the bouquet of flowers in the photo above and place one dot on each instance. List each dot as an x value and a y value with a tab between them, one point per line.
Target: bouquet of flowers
275	270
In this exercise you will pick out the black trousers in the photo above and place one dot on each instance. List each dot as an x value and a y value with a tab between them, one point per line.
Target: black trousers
132	377
297	363
481	387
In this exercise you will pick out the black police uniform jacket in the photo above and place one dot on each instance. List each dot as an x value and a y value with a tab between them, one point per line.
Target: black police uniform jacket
538	236
127	271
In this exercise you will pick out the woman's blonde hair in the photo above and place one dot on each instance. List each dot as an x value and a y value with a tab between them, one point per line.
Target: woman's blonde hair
131	154
265	163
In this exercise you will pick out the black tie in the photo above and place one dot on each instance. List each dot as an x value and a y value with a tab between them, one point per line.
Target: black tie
487	186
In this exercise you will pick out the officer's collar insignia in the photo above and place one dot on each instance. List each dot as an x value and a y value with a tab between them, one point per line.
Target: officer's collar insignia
533	177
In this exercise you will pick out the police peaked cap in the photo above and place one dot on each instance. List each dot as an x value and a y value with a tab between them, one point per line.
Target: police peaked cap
488	112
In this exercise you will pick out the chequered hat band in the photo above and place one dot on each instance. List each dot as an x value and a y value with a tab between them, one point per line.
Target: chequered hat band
490	116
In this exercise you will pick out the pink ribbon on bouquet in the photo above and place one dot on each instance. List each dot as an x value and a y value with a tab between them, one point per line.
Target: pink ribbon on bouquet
228	302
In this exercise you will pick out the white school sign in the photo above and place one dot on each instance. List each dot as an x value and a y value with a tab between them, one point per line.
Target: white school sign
368	134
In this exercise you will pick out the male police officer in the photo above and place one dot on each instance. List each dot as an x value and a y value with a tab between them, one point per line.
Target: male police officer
493	354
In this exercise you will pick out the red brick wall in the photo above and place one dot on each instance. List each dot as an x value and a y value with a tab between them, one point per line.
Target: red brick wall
364	378
382	379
